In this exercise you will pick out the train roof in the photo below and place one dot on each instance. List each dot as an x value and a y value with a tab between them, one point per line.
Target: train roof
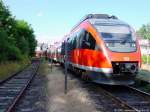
101	19
99	16
106	22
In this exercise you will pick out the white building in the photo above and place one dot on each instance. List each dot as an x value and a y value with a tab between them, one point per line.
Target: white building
145	46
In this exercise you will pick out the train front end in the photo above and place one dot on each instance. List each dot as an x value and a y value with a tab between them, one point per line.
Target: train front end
122	52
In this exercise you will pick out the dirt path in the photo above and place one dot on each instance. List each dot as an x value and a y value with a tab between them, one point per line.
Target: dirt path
76	100
144	72
146	67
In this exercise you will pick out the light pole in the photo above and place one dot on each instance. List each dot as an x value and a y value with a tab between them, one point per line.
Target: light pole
66	66
147	51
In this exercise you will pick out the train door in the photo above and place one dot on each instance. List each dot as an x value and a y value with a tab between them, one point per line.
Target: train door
88	45
81	34
76	51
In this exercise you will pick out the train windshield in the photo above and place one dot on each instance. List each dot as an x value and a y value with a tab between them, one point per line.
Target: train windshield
118	38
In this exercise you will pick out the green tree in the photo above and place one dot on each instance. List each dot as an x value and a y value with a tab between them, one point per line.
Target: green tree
17	38
3	45
8	51
21	42
7	22
26	37
144	31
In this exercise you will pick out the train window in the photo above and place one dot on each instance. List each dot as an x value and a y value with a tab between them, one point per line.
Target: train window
63	48
74	41
91	41
69	44
88	41
81	39
80	35
77	40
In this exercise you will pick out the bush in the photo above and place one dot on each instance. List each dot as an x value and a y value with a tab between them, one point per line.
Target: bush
3	45
13	53
8	51
144	59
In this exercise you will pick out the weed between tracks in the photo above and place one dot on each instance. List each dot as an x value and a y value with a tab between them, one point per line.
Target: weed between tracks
44	68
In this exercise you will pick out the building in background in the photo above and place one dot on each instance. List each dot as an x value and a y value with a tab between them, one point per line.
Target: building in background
41	49
145	46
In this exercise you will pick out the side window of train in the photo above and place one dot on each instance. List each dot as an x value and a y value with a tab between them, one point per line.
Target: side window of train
91	41
74	41
88	41
81	36
69	44
77	39
63	48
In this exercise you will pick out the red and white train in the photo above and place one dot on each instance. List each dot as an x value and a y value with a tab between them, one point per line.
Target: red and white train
104	49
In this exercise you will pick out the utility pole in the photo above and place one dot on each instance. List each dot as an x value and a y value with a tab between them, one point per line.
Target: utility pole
66	66
147	51
50	57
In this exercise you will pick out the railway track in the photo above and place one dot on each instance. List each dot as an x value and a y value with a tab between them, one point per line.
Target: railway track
117	98
103	100
137	100
14	87
142	85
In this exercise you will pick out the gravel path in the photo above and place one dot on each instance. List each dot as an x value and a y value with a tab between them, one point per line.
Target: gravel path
76	100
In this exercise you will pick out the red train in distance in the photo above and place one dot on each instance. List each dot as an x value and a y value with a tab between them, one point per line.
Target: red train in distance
104	49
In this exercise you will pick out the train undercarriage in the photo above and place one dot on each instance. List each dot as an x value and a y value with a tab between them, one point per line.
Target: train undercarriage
124	73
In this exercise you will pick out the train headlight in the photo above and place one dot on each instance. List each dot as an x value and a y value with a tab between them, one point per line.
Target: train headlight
107	44
133	45
110	44
117	64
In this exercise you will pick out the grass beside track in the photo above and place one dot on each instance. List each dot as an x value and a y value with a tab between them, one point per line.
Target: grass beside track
9	68
44	68
145	59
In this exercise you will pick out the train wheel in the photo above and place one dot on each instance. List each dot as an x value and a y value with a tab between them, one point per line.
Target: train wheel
84	76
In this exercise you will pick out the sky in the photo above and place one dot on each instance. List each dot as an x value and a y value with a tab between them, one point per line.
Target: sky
52	19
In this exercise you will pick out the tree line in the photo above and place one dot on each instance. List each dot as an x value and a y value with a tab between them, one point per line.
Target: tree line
144	31
17	39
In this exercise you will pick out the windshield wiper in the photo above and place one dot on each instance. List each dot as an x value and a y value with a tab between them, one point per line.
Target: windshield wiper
127	41
124	41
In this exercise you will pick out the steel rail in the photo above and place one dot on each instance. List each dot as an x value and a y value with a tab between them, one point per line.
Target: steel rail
126	105
139	91
16	99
